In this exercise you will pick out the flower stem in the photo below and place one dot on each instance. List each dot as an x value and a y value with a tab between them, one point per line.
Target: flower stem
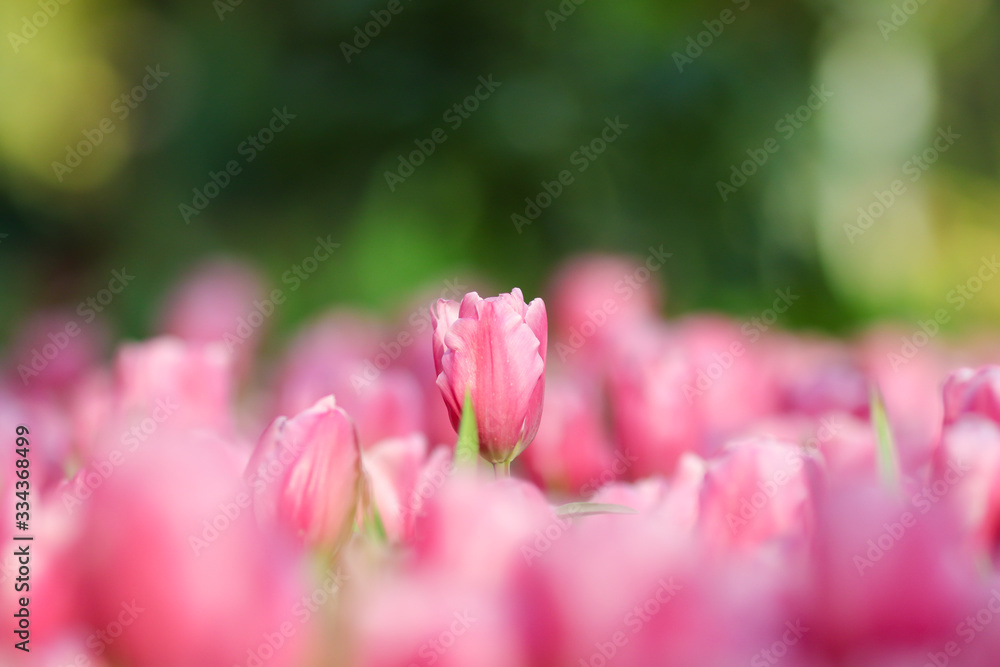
501	470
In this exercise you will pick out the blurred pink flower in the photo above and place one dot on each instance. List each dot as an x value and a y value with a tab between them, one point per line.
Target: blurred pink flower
220	300
972	392
475	531
571	453
759	490
393	468
595	297
306	475
53	349
495	350
653	412
340	354
885	576
188	384
966	474
431	619
168	547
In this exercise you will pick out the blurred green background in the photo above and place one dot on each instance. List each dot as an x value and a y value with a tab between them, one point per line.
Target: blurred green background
230	64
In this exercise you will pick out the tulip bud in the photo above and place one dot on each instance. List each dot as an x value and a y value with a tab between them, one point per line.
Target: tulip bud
493	350
306	474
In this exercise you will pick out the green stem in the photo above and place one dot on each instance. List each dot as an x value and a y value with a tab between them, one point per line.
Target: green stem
501	470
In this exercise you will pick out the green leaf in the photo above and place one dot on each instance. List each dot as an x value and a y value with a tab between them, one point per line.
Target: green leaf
467	447
374	527
589	509
888	463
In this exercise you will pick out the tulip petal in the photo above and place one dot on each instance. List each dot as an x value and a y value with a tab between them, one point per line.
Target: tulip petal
496	357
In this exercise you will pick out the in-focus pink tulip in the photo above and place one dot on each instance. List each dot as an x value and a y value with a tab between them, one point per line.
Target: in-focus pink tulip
306	475
494	349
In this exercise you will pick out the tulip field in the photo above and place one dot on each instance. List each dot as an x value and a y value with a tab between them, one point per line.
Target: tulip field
571	479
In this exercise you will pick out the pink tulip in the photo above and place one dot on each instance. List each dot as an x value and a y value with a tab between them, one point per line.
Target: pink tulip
594	299
676	503
494	350
886	577
186	384
167	547
430	619
759	490
220	300
571	452
474	531
582	601
652	395
342	354
911	389
734	383
306	475
393	467
845	442
967	475
972	392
